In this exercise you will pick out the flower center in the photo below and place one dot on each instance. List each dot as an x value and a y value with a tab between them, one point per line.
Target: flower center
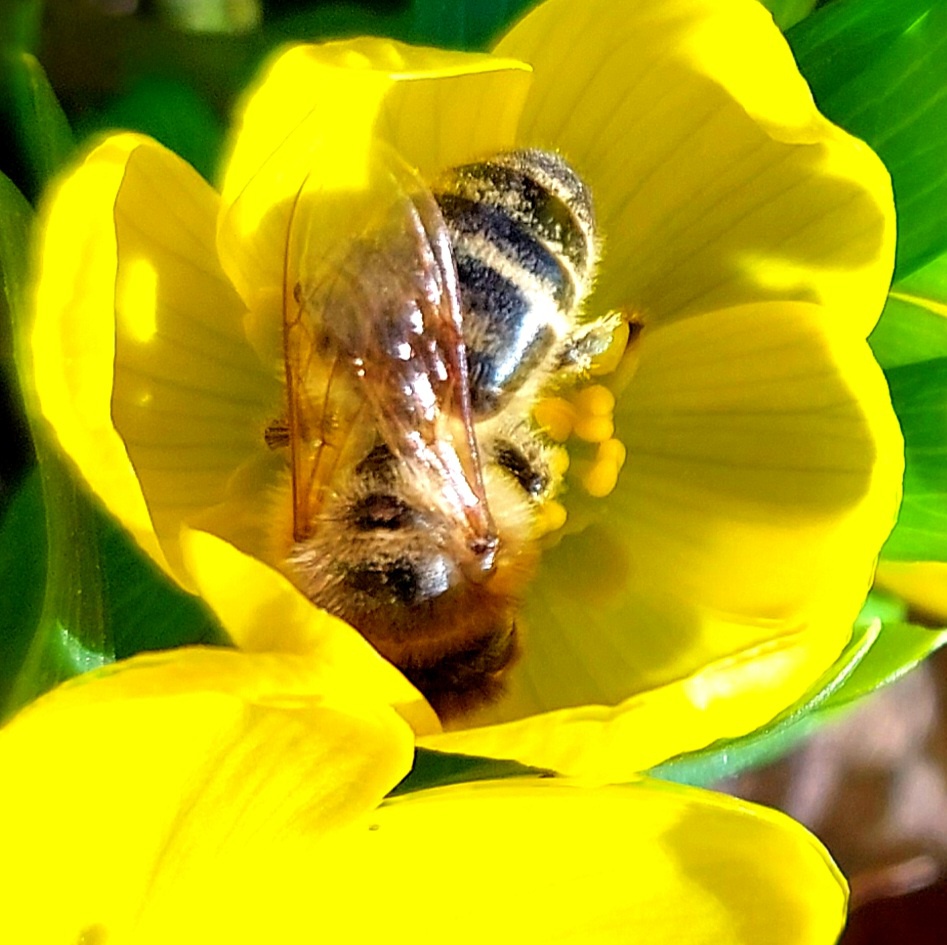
586	417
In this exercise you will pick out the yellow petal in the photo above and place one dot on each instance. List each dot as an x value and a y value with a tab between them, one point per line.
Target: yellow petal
717	181
209	795
677	570
763	473
140	352
263	613
724	699
528	861
166	789
191	397
73	339
317	112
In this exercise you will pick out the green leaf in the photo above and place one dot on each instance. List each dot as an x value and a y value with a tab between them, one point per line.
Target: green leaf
73	619
438	768
913	325
17	218
882	607
46	133
146	611
72	604
900	647
911	329
910	343
169	110
919	396
40	130
879	69
142	609
22	579
60	630
839	41
876	657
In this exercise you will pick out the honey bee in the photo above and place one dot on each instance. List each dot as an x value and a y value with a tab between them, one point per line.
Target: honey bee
414	357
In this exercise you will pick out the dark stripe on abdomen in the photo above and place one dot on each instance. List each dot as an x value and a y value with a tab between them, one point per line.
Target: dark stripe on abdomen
511	182
468	221
504	341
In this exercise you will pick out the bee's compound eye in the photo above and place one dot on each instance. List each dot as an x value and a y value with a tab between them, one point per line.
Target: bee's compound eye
403	580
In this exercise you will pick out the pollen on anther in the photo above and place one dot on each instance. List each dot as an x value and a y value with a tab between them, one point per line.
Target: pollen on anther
552	516
594	407
556	416
596	400
559	460
601	476
594	429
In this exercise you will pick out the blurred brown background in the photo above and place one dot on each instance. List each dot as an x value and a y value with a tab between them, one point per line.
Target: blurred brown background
873	787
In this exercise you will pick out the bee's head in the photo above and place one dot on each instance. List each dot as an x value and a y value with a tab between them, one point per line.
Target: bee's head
387	562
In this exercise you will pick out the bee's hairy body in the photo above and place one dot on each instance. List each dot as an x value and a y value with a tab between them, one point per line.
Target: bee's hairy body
521	233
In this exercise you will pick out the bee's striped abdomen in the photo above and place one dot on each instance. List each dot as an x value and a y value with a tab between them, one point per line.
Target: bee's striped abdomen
523	239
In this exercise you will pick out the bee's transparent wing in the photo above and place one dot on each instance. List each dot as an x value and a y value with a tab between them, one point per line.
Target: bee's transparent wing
329	424
374	347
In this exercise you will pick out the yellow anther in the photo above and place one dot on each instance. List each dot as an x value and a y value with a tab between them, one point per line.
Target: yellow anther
601	477
559	460
594	407
556	416
600	480
594	429
589	415
596	400
551	517
612	451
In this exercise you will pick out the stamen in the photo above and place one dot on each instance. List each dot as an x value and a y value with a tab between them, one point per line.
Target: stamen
594	407
559	460
556	416
551	517
601	477
589	416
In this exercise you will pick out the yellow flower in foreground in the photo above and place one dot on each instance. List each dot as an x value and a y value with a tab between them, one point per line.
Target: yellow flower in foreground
751	237
215	796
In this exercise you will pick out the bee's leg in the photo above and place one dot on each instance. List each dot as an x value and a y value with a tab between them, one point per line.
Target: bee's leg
529	457
524	470
578	351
